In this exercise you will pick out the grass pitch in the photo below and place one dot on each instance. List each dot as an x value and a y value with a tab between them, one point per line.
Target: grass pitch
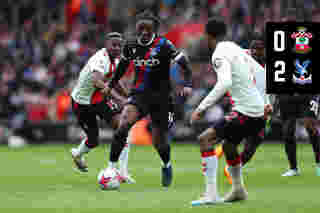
40	179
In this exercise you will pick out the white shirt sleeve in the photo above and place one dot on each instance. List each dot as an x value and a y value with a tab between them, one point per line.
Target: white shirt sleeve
100	66
100	62
224	82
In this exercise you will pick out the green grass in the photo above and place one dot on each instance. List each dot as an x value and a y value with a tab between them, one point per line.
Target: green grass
41	179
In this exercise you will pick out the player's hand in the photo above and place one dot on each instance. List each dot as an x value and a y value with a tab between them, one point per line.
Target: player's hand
183	91
268	109
196	116
106	91
123	102
186	91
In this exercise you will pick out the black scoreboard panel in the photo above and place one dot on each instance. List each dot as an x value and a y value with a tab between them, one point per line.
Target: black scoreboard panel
293	57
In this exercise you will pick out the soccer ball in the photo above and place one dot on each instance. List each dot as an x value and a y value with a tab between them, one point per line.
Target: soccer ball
109	179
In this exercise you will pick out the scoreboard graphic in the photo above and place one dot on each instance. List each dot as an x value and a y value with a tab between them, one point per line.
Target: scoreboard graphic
293	57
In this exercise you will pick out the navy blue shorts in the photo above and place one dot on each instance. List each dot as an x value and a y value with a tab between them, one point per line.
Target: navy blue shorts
155	105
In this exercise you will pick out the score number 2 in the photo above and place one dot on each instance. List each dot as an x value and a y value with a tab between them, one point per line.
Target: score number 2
279	46
282	70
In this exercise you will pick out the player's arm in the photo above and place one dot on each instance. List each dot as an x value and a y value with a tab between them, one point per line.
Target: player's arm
98	79
99	82
224	82
122	89
181	59
120	92
116	95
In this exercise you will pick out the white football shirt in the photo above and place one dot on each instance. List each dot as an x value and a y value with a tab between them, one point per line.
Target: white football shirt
260	77
235	72
84	90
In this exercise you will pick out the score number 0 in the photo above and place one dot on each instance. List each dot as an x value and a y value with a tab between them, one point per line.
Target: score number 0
279	46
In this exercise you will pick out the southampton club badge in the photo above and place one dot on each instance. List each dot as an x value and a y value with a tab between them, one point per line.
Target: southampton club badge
302	38
301	75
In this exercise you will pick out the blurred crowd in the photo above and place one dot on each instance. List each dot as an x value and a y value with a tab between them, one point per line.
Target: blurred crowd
45	43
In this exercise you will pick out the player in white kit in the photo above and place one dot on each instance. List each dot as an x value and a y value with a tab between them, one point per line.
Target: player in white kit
89	99
235	74
257	51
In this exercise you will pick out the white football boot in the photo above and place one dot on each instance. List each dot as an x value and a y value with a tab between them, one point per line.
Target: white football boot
236	194
205	199
79	160
291	172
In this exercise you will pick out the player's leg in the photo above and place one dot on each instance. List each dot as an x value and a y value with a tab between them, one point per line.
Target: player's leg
124	158
240	126
289	111
288	133
88	122
209	163
233	159
250	147
128	117
310	125
158	108
110	112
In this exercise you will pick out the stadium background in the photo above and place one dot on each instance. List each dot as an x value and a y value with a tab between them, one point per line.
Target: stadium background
44	44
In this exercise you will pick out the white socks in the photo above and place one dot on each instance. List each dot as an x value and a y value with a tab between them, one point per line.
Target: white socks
112	165
236	175
123	160
210	166
83	148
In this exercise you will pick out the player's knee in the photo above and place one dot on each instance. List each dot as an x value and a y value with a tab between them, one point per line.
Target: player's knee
121	133
207	139
159	137
288	130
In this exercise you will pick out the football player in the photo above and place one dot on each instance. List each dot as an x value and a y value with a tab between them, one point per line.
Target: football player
89	99
234	74
152	55
257	51
298	106
135	131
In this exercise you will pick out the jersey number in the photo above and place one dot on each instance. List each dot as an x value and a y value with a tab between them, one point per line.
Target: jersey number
314	107
170	119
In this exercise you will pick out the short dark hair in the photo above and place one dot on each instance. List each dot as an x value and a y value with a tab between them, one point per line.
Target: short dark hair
216	27
148	15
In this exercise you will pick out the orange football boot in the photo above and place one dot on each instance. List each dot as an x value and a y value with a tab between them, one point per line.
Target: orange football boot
227	174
